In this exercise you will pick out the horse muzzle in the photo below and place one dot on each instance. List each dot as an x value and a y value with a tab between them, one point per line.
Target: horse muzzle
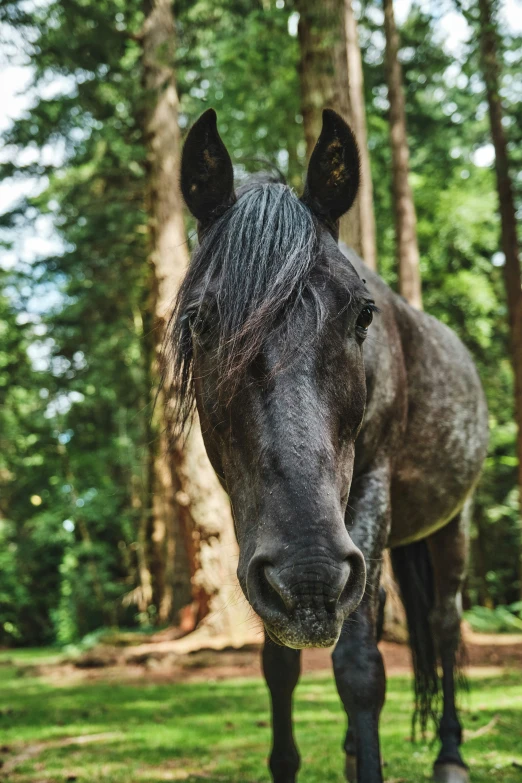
303	602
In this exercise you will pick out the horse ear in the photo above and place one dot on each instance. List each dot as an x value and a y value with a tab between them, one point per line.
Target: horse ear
207	176
333	176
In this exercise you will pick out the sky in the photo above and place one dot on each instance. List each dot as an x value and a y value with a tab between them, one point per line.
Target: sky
15	98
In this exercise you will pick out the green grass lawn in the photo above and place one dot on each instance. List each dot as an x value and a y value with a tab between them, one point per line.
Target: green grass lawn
219	731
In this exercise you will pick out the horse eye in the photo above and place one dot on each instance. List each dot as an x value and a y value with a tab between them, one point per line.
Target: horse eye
365	318
193	319
196	325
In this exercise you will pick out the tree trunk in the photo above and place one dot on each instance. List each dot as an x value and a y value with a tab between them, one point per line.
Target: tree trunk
364	204
168	260
322	65
512	267
193	543
323	73
405	216
331	76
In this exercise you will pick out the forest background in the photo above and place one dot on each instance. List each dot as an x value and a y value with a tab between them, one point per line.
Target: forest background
99	526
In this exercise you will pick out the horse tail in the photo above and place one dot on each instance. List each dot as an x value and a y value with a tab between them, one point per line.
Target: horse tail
413	571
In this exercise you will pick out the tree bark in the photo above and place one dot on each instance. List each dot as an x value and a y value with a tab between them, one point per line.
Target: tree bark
512	267
405	216
192	532
364	204
331	75
168	260
322	65
325	82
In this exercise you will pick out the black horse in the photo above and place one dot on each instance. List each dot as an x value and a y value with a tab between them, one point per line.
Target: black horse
334	437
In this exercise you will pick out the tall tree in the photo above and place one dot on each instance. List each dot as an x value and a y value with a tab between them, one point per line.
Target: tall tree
323	66
405	215
77	345
364	203
190	511
168	260
331	75
491	67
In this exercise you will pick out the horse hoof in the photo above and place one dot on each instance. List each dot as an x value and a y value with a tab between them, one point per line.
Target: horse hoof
450	773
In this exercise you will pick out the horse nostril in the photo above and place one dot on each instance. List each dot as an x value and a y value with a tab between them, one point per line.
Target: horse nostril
278	587
355	583
330	605
338	587
282	591
320	587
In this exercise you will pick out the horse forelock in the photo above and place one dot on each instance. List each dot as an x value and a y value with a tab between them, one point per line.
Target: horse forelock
253	270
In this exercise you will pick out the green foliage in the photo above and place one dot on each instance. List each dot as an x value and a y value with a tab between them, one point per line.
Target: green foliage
239	58
75	323
501	619
79	417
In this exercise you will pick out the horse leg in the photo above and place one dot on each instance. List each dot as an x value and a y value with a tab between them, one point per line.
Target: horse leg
360	679
349	743
282	667
358	665
448	550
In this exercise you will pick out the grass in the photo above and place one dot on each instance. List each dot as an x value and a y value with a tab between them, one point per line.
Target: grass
219	731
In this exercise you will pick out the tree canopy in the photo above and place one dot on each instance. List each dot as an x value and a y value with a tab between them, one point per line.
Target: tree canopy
75	323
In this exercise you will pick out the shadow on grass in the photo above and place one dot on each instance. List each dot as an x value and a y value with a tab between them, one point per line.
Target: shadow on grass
219	731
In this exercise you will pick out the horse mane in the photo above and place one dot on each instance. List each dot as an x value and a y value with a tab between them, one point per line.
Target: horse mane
253	269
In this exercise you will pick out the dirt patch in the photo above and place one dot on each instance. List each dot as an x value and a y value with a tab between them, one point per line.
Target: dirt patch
157	663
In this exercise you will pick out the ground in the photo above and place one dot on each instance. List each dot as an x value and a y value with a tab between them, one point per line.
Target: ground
208	720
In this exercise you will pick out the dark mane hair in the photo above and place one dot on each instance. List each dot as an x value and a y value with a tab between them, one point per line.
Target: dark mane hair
251	271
